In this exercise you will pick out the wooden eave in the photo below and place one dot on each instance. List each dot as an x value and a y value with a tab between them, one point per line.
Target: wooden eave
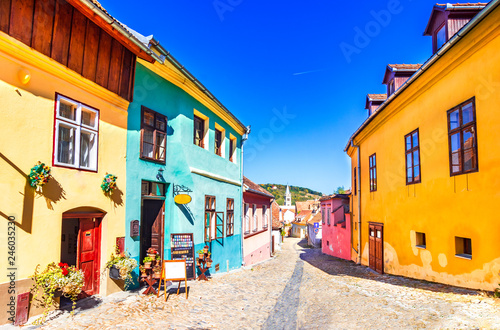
99	21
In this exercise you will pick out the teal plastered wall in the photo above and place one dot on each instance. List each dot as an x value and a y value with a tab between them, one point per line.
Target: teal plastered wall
182	157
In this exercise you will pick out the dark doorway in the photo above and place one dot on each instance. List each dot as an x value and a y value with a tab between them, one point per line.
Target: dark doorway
376	247
152	226
81	247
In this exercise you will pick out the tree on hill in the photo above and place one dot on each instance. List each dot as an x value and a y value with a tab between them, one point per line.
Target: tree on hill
340	190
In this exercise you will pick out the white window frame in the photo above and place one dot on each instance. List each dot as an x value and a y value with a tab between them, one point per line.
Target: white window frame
247	218
254	214
79	128
264	217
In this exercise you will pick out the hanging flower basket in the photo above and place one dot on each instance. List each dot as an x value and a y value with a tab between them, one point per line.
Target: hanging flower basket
39	175
108	183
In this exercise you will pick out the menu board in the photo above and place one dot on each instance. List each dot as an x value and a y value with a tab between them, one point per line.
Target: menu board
183	249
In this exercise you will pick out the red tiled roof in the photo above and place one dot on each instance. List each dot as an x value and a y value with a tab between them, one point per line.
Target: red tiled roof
317	218
377	97
468	4
414	67
304	213
276	216
343	196
255	187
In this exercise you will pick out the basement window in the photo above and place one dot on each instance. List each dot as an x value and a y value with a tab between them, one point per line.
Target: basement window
463	247
420	240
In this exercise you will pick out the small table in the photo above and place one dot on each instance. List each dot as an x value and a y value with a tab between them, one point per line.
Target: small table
203	270
150	281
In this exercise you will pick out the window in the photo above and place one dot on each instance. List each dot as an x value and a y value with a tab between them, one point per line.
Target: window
264	217
218	142
355	185
209	218
420	240
328	212
247	218
254	214
392	87
373	172
440	37
463	247
199	131
152	189
153	135
462	139
230	217
232	149
412	154
76	134
323	214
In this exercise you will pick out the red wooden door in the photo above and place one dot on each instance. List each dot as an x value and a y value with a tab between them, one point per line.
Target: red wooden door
88	254
376	247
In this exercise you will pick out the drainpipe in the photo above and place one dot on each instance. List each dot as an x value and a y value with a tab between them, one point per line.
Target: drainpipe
244	138
359	202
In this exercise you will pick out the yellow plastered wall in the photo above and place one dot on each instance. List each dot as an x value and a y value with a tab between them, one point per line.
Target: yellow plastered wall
27	123
441	206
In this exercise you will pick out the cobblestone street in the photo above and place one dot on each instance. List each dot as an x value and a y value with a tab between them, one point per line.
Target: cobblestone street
299	289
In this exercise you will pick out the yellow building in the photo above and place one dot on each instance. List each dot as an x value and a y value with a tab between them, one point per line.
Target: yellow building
65	86
425	164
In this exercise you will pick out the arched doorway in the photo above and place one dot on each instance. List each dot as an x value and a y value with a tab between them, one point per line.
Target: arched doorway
81	245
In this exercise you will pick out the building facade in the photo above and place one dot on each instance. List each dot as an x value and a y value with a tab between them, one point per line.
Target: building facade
184	167
427	156
70	114
257	234
336	229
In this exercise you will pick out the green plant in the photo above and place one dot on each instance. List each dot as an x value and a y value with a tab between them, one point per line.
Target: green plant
147	259
39	175
124	264
200	252
497	292
67	279
108	183
158	257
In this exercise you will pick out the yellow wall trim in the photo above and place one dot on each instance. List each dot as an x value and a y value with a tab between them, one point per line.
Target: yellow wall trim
30	57
171	74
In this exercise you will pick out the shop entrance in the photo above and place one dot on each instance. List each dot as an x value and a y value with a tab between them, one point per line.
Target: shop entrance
81	246
152	226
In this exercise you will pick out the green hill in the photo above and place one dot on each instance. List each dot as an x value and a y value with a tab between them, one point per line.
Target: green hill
299	194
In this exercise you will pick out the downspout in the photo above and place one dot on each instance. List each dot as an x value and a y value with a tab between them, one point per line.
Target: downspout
244	138
359	202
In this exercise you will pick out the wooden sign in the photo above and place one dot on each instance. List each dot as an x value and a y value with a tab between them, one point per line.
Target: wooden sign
182	248
173	270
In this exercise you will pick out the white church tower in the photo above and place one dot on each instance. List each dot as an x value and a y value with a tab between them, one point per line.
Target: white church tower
288	196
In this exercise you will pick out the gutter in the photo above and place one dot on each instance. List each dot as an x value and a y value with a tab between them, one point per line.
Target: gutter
186	73
358	261
456	38
111	21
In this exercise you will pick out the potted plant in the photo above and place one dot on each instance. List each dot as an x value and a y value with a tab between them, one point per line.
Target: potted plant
152	253
121	266
39	175
147	262
142	270
201	254
205	249
108	183
157	271
209	262
68	280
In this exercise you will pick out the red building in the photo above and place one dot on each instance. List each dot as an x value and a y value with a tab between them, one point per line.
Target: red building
336	226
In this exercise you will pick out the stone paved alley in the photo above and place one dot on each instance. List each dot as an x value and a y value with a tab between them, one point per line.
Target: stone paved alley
299	289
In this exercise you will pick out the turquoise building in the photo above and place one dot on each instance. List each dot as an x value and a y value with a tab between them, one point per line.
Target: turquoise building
184	168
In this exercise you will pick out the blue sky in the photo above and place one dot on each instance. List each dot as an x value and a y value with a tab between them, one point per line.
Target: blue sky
298	71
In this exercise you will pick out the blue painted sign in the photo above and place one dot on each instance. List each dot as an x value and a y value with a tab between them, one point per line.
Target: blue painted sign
316	225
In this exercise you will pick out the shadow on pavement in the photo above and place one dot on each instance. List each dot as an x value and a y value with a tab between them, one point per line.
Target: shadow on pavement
339	267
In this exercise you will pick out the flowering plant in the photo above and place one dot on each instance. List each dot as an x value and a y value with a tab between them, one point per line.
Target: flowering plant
108	183
60	277
39	175
124	264
152	251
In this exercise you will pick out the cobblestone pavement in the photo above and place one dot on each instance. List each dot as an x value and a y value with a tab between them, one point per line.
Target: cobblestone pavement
299	289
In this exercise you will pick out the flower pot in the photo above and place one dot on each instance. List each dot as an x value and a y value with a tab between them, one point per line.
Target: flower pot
201	255
114	273
152	255
209	264
147	264
58	293
205	249
157	274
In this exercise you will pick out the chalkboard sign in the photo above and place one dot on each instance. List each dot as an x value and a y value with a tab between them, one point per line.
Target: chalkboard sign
182	248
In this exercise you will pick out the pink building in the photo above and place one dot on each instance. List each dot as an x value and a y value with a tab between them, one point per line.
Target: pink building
257	223
336	226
